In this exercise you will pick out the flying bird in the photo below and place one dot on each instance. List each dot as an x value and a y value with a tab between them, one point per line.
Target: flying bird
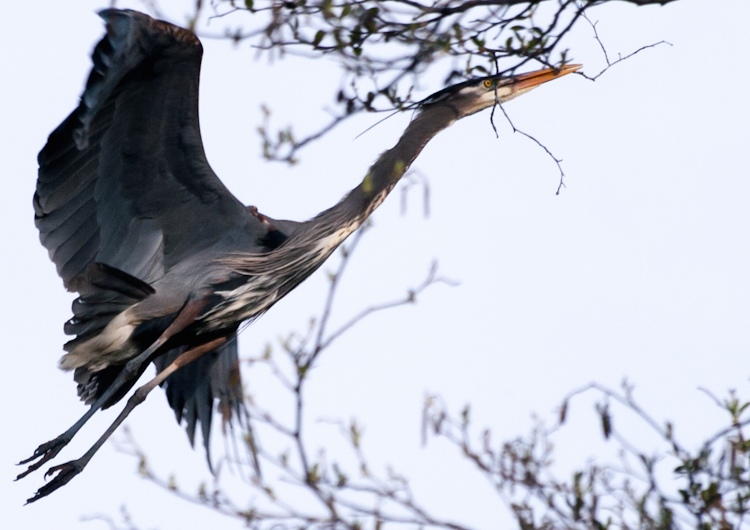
166	262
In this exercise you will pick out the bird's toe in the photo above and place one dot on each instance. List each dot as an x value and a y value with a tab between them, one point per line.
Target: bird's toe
45	452
65	473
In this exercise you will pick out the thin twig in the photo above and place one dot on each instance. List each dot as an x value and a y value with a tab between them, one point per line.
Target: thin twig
620	58
530	137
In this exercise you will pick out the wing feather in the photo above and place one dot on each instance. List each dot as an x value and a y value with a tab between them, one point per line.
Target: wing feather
59	226
124	179
81	255
124	193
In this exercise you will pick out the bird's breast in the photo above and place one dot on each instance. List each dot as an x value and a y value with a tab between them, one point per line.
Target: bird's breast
260	280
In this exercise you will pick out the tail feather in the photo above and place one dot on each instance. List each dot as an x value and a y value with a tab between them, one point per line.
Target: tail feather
193	389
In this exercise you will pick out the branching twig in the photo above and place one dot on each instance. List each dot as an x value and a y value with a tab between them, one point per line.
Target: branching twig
387	46
558	161
620	58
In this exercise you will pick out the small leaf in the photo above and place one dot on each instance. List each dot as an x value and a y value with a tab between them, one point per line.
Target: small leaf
143	467
318	37
355	433
312	476
465	415
341	478
563	411
606	420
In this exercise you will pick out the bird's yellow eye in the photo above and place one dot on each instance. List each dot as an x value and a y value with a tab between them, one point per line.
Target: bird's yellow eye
487	83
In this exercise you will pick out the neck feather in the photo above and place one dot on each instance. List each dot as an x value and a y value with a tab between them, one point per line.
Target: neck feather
387	170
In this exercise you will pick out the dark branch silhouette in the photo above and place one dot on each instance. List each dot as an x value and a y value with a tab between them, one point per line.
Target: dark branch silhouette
384	48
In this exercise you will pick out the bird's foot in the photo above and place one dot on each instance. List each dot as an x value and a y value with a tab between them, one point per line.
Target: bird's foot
65	473
45	452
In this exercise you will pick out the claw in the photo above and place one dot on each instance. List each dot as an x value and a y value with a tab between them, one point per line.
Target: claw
46	452
66	473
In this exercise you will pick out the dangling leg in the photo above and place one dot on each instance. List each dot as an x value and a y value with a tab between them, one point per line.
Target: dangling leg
49	450
70	469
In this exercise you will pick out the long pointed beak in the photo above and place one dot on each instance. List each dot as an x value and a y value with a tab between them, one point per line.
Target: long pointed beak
533	79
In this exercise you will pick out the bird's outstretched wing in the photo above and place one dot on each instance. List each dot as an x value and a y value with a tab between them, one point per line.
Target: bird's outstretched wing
124	185
124	179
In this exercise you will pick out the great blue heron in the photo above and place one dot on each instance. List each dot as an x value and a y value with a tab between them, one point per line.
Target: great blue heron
167	263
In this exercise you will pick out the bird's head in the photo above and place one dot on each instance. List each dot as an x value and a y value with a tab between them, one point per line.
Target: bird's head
478	94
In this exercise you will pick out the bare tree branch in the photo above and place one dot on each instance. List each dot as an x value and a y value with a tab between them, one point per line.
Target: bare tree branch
385	47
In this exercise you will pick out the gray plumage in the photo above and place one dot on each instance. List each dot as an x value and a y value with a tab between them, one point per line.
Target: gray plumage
164	258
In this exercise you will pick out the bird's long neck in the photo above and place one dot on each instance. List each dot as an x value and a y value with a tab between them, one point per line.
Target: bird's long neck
387	170
274	274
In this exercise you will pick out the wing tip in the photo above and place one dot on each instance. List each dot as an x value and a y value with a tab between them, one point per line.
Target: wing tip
131	37
120	24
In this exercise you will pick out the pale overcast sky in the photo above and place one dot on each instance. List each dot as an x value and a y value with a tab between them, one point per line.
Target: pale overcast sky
638	269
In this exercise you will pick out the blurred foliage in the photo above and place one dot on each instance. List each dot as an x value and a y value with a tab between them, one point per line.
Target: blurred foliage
385	47
676	488
291	486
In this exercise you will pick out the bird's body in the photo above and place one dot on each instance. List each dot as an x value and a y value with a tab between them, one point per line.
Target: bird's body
164	258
